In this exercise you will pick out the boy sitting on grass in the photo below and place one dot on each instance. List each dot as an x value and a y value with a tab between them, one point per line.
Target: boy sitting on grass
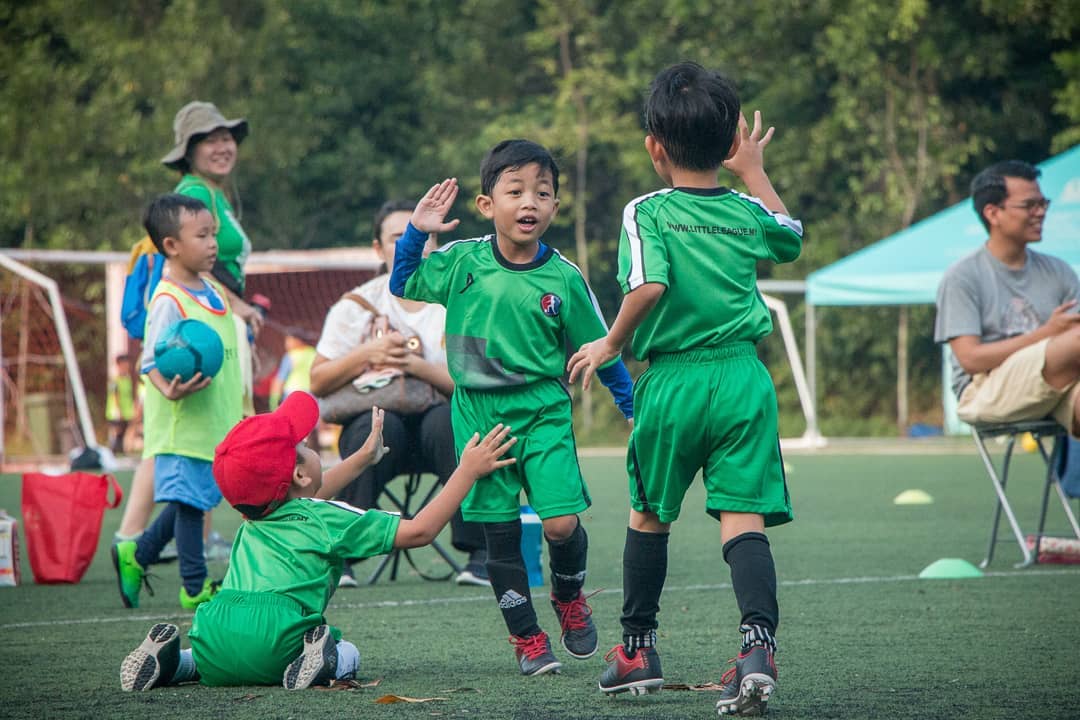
266	624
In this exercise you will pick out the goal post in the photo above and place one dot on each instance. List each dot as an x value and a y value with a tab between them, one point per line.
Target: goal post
67	347
812	436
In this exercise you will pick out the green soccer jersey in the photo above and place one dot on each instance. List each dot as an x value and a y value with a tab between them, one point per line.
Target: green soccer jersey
703	245
298	549
507	324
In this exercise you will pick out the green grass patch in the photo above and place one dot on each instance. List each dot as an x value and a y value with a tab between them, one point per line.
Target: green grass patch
860	636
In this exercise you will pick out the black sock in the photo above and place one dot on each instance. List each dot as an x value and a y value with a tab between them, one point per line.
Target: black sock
509	579
568	564
753	576
644	572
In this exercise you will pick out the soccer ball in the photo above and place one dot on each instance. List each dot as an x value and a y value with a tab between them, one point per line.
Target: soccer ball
187	347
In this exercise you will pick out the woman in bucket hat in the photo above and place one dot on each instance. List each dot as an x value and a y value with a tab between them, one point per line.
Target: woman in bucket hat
205	153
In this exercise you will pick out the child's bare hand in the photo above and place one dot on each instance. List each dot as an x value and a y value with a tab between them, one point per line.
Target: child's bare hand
481	457
374	443
177	390
434	206
749	157
588	359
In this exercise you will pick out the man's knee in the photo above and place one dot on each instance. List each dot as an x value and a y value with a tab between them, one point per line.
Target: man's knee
1062	359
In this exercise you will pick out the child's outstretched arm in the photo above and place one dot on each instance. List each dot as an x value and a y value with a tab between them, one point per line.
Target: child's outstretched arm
371	452
748	163
426	218
636	306
479	458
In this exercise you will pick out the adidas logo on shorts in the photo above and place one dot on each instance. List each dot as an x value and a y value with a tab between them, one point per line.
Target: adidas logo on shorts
511	599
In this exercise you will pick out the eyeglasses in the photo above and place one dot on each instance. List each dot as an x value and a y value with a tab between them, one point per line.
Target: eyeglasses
1032	205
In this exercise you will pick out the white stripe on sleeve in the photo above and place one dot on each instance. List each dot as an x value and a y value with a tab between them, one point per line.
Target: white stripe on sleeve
781	219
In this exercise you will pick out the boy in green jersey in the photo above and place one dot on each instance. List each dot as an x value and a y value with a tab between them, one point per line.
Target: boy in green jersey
182	421
266	624
688	258
513	306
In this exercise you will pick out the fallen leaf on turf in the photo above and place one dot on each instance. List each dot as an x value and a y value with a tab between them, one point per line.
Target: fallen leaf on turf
348	685
389	699
246	698
707	687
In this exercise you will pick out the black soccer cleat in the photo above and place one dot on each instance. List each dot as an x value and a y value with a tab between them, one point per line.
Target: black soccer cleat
534	654
637	674
154	662
748	685
578	631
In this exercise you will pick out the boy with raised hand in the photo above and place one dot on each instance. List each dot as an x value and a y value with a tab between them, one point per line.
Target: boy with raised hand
688	258
266	624
513	304
182	421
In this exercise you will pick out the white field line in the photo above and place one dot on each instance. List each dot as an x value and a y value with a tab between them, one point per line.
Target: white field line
376	604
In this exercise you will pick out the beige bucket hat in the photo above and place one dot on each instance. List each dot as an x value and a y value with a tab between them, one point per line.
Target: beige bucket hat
199	118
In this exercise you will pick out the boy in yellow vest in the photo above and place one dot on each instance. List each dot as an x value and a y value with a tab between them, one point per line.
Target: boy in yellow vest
182	421
120	404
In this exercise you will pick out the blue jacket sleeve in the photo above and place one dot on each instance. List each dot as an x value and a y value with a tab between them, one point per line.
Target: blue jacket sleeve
616	379
407	256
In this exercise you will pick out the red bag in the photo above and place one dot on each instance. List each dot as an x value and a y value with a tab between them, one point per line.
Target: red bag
62	521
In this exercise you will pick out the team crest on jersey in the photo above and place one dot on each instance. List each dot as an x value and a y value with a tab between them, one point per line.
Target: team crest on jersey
550	303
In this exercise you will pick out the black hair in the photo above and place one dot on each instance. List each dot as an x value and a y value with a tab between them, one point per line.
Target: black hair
184	164
514	154
164	216
387	209
694	114
988	187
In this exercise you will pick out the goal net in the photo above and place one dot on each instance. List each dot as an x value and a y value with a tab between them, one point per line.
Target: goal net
60	313
45	385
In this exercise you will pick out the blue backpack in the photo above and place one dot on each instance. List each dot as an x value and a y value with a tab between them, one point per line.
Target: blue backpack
143	275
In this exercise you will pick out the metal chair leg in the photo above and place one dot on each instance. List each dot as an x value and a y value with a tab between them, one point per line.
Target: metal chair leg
1003	501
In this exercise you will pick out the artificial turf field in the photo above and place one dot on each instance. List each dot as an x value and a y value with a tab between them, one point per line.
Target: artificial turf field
860	637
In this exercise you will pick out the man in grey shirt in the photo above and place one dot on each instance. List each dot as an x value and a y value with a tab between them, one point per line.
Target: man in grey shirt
1009	313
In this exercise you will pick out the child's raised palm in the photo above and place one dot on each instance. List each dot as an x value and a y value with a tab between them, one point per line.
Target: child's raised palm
749	156
481	457
374	442
433	207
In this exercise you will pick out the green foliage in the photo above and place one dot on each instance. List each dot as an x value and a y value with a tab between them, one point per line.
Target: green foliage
884	111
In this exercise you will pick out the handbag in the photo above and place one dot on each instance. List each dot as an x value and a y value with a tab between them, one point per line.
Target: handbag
62	520
387	388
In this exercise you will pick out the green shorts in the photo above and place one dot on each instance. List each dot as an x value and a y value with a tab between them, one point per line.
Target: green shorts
711	409
249	638
547	466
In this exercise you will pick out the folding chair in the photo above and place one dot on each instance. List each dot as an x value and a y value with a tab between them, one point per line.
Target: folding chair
1041	430
408	502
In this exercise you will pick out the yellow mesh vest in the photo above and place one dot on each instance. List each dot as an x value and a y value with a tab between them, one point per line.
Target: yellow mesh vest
193	426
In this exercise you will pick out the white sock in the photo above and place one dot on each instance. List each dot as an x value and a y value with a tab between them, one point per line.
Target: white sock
348	660
185	671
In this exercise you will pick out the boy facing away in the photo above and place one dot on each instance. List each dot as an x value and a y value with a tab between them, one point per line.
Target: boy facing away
513	304
688	259
266	625
182	421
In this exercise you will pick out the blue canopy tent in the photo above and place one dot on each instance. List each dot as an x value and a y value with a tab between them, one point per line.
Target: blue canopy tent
906	267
